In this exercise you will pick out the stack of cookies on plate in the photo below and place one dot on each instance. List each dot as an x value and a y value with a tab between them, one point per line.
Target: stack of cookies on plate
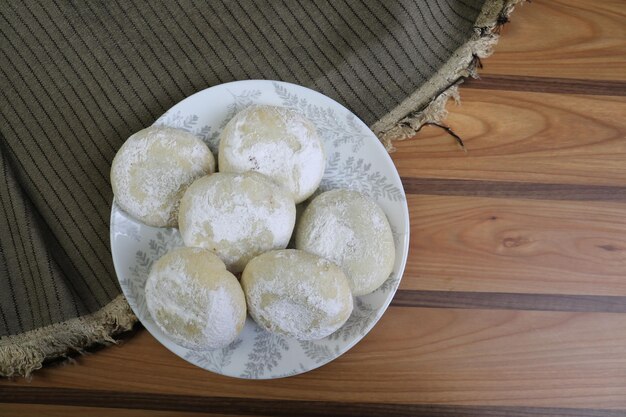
236	224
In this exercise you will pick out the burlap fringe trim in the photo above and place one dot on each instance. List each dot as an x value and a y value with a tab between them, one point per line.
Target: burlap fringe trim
24	353
406	120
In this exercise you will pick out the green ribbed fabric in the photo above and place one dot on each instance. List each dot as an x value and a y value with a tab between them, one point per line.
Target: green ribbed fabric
78	77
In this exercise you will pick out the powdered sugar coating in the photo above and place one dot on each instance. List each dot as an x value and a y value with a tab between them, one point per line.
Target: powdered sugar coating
237	216
152	170
351	230
277	142
195	300
297	294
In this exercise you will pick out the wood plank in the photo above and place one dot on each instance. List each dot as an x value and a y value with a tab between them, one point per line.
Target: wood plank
583	39
413	356
521	136
47	410
284	408
516	246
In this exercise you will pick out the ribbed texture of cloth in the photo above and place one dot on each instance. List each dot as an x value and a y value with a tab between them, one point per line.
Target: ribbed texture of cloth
77	78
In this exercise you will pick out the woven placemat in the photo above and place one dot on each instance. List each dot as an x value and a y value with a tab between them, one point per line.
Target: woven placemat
77	78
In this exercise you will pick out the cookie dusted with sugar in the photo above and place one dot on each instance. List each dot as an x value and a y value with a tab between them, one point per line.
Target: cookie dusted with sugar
351	230
297	294
277	142
194	300
152	170
237	216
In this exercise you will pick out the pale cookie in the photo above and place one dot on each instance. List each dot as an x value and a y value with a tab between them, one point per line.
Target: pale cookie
237	216
152	170
194	300
277	142
351	230
297	294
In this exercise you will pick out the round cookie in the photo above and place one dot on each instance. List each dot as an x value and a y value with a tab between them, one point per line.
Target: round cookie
237	216
194	300
351	230
152	169
277	142
298	294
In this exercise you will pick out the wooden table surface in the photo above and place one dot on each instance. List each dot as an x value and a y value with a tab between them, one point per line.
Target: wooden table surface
513	302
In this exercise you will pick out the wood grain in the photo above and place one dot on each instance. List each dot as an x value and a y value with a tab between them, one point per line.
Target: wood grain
413	356
581	39
513	189
525	137
48	410
510	301
516	246
547	85
286	408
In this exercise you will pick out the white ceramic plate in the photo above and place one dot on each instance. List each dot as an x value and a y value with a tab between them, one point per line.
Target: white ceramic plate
356	160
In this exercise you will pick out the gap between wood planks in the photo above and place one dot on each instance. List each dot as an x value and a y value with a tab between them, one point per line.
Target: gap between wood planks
513	189
510	301
547	85
254	406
